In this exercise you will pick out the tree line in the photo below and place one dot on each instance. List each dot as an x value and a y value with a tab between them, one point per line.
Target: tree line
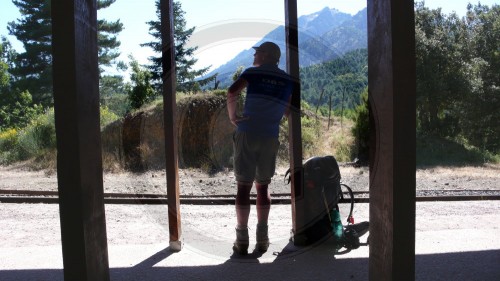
457	59
341	79
458	77
26	77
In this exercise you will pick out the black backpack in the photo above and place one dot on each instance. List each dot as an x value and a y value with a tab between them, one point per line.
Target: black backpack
321	194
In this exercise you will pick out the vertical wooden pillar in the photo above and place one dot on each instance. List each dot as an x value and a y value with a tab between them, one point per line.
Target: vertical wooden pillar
79	163
294	126
392	87
169	109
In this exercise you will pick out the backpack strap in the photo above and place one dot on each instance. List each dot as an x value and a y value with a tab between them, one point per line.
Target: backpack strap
326	203
288	175
350	219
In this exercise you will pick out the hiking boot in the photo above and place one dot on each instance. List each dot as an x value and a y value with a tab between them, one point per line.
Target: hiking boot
262	238
240	245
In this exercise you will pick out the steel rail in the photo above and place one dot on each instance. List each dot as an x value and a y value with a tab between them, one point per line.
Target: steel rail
51	197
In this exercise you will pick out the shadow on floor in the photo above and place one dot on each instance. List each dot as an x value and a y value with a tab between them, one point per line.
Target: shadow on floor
319	265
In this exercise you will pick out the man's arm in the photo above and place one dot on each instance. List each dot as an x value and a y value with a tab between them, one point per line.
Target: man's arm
232	99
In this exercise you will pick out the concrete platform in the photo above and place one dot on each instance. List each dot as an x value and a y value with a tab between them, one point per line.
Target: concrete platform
454	241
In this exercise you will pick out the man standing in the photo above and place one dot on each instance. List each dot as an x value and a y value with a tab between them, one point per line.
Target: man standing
255	141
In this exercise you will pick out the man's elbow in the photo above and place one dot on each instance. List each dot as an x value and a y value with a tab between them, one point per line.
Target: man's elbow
233	90
236	87
231	94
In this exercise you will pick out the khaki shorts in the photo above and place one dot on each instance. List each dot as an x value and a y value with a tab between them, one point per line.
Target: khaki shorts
254	157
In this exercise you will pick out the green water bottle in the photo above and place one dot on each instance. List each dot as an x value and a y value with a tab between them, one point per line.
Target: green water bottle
337	228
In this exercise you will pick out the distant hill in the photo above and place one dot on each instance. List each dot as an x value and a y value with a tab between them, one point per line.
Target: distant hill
323	36
343	79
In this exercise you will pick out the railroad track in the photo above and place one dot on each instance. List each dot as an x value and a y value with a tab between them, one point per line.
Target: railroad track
51	197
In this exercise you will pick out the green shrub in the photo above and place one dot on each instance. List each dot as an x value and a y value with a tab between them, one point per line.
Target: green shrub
8	139
18	110
219	92
107	116
361	129
343	147
310	135
8	146
34	140
38	137
118	104
439	151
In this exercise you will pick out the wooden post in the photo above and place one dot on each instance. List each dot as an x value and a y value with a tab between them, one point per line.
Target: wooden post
294	127
169	110
392	87
79	163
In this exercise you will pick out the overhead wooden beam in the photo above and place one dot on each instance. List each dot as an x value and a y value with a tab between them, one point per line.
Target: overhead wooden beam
294	124
392	87
79	163
169	110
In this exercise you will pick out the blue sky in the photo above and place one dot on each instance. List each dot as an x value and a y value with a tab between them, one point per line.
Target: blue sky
216	13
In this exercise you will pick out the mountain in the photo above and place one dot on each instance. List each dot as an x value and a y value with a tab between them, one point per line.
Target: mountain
342	80
323	36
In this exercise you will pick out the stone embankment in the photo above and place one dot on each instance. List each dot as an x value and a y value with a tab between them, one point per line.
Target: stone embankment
204	136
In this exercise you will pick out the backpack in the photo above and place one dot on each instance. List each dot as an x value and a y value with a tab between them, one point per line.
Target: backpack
321	194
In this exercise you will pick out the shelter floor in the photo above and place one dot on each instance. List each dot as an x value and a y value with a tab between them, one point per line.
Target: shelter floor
454	241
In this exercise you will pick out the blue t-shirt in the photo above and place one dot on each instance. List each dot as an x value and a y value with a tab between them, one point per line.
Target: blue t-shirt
268	91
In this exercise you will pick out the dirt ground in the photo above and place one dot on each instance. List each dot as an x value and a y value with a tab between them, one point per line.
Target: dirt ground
196	182
146	223
32	231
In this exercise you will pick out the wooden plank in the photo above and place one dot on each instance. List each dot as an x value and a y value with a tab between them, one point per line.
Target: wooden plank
294	125
392	86
79	163
169	110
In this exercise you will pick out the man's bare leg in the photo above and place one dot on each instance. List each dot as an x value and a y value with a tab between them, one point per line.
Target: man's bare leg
242	204
263	208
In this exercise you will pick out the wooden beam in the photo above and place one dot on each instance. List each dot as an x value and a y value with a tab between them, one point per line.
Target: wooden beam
79	163
392	87
169	110
294	124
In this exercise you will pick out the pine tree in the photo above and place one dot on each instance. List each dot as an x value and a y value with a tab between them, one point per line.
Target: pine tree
33	68
184	60
33	71
4	67
106	37
141	91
